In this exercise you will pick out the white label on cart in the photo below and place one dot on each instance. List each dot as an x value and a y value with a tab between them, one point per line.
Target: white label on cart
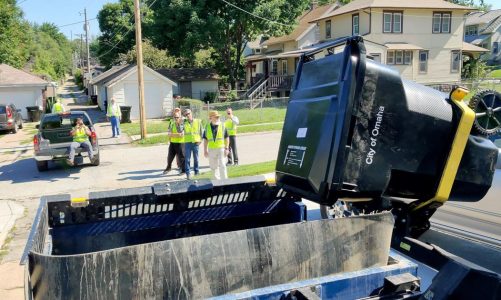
294	156
301	133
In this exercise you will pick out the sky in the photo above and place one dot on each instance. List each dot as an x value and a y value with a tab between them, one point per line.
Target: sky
63	12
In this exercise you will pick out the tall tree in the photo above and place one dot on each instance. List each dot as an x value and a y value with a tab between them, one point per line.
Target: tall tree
152	57
116	22
15	35
185	26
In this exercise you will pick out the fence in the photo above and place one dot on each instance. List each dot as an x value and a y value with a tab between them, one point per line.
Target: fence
249	112
472	85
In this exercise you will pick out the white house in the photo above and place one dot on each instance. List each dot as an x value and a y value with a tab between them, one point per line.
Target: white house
193	83
422	40
21	89
121	84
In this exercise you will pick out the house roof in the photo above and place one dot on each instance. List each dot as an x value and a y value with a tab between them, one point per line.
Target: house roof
472	48
111	74
117	77
303	26
402	46
491	19
421	4
189	74
476	39
10	76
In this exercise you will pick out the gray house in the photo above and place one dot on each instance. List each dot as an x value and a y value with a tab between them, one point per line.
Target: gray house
484	29
192	82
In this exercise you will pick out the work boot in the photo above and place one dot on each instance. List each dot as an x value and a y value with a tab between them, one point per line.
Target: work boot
166	171
69	162
188	176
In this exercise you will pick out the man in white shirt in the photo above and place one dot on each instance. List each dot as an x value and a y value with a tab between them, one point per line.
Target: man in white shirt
114	114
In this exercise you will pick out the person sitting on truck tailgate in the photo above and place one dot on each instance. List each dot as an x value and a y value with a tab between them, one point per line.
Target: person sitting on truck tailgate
114	113
58	107
80	134
216	146
176	135
192	138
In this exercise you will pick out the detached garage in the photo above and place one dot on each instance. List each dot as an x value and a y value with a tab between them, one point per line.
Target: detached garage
121	84
21	89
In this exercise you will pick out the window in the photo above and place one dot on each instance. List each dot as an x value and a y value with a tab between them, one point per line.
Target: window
392	22
390	58
423	61
495	48
284	67
408	58
471	30
274	67
355	28
328	29
455	60
399	57
257	51
376	57
441	22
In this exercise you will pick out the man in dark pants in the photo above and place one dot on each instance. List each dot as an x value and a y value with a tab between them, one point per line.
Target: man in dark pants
176	135
231	126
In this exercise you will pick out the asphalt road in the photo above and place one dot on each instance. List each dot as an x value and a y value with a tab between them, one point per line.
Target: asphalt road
122	166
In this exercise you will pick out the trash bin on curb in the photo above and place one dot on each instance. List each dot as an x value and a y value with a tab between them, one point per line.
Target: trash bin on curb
94	99
34	113
125	114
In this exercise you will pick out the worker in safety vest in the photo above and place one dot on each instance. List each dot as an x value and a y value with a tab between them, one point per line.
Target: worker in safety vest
58	107
80	134
216	145
192	139
114	114
231	125
176	145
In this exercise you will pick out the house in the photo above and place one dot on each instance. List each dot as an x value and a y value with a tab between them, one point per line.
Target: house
423	39
121	83
195	83
271	63
21	89
484	29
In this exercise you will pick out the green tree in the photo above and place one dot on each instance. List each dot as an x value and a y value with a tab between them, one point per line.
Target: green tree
186	26
15	35
152	57
116	22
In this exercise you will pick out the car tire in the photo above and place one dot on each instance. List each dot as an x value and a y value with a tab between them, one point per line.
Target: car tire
42	166
96	161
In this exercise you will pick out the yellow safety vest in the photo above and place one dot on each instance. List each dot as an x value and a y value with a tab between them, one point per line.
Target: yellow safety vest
230	127
177	140
219	141
58	107
80	135
114	113
192	131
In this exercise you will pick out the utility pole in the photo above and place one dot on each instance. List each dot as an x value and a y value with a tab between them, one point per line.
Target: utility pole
89	78
140	79
81	53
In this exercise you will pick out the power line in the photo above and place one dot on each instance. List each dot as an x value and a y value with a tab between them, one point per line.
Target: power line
130	29
59	26
257	16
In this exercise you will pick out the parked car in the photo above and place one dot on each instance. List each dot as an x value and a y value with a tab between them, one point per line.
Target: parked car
53	139
10	118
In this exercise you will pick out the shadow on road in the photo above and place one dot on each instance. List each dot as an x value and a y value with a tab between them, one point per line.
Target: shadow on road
25	170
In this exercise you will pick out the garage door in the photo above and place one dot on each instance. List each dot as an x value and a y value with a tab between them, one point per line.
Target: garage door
153	99
21	99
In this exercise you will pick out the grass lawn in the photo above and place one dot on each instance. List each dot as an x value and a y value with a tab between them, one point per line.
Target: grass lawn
484	86
153	140
246	170
260	127
260	115
152	126
494	74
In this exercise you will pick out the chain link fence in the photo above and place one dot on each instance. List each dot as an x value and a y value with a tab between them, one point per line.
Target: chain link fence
249	112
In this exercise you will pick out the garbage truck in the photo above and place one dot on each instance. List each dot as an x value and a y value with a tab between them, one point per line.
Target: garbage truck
356	134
